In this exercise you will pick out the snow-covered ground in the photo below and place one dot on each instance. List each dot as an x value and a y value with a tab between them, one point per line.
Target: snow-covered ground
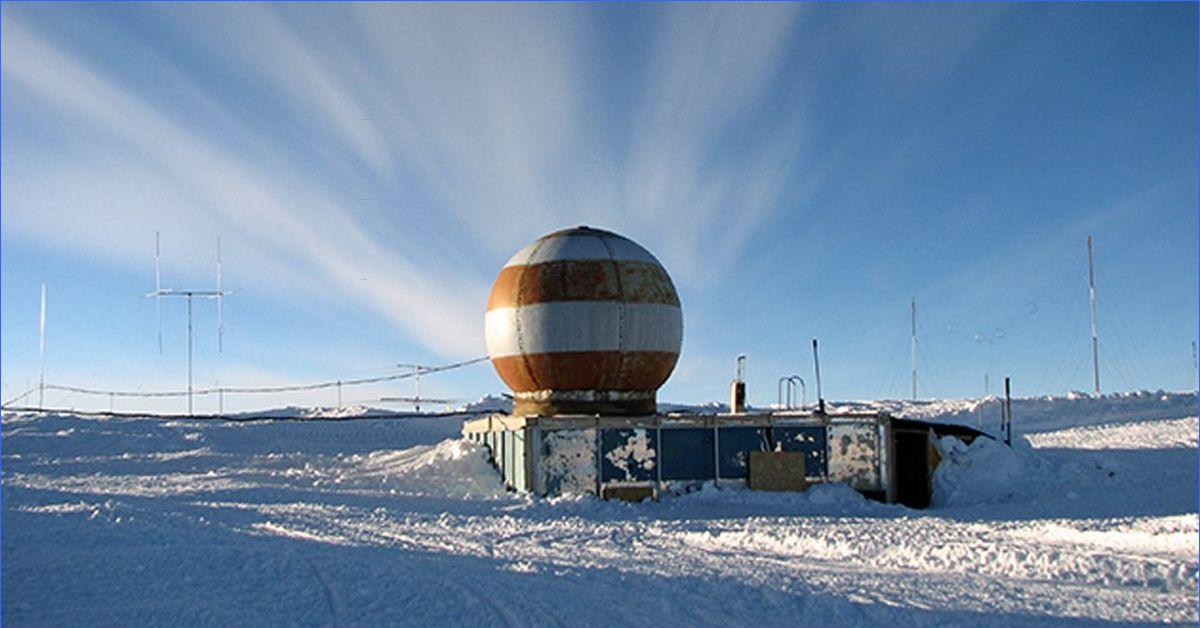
1091	517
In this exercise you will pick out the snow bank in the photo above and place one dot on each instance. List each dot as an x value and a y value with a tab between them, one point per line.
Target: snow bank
315	412
1173	433
1037	414
451	468
490	403
982	472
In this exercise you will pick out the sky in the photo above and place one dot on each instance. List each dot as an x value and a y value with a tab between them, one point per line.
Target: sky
802	170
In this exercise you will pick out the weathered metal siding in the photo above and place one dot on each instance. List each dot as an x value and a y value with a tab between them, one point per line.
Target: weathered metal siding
553	456
854	455
687	454
629	455
736	443
567	462
807	439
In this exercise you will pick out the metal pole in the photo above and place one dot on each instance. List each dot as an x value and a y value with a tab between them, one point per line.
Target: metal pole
42	351
1008	411
189	334
417	389
914	348
158	287
339	390
817	369
779	392
220	320
1092	291
1195	365
220	402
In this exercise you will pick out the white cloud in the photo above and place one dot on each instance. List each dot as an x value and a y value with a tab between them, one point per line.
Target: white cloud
712	67
299	234
478	123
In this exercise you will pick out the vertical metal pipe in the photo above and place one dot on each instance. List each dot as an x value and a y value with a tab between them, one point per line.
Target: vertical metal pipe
339	391
417	388
189	343
220	402
817	370
1092	292
914	348
42	351
158	287
1007	411
1195	365
220	296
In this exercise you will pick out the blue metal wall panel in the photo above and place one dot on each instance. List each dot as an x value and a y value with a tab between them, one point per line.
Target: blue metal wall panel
686	454
735	444
809	439
628	455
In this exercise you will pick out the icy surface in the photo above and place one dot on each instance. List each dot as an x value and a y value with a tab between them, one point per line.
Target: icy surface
1089	518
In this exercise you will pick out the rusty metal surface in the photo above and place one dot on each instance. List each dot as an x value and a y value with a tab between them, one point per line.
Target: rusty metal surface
584	309
586	370
582	280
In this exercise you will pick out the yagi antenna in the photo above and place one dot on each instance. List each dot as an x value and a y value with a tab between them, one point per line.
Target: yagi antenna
219	294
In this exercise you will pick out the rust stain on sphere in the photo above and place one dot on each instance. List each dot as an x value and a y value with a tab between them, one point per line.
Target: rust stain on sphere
584	320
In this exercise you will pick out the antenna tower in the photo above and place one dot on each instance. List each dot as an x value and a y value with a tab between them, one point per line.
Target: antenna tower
914	348
159	292
1092	292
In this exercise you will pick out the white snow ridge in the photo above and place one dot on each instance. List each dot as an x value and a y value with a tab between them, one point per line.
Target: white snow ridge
1090	518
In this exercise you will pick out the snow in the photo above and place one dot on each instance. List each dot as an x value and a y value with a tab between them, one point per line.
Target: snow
1091	517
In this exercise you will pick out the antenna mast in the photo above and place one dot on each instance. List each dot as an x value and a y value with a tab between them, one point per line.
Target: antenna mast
1195	365
220	299
417	370
41	352
158	285
817	370
160	292
914	348
1092	291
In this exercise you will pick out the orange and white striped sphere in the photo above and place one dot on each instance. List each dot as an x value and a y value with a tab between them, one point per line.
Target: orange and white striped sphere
584	320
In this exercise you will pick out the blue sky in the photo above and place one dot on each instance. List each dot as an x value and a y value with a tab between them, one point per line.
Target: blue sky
801	170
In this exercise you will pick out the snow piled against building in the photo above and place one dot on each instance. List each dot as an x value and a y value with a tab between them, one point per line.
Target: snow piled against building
1090	518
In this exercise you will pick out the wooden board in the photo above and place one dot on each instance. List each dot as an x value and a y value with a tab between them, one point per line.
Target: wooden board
777	471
